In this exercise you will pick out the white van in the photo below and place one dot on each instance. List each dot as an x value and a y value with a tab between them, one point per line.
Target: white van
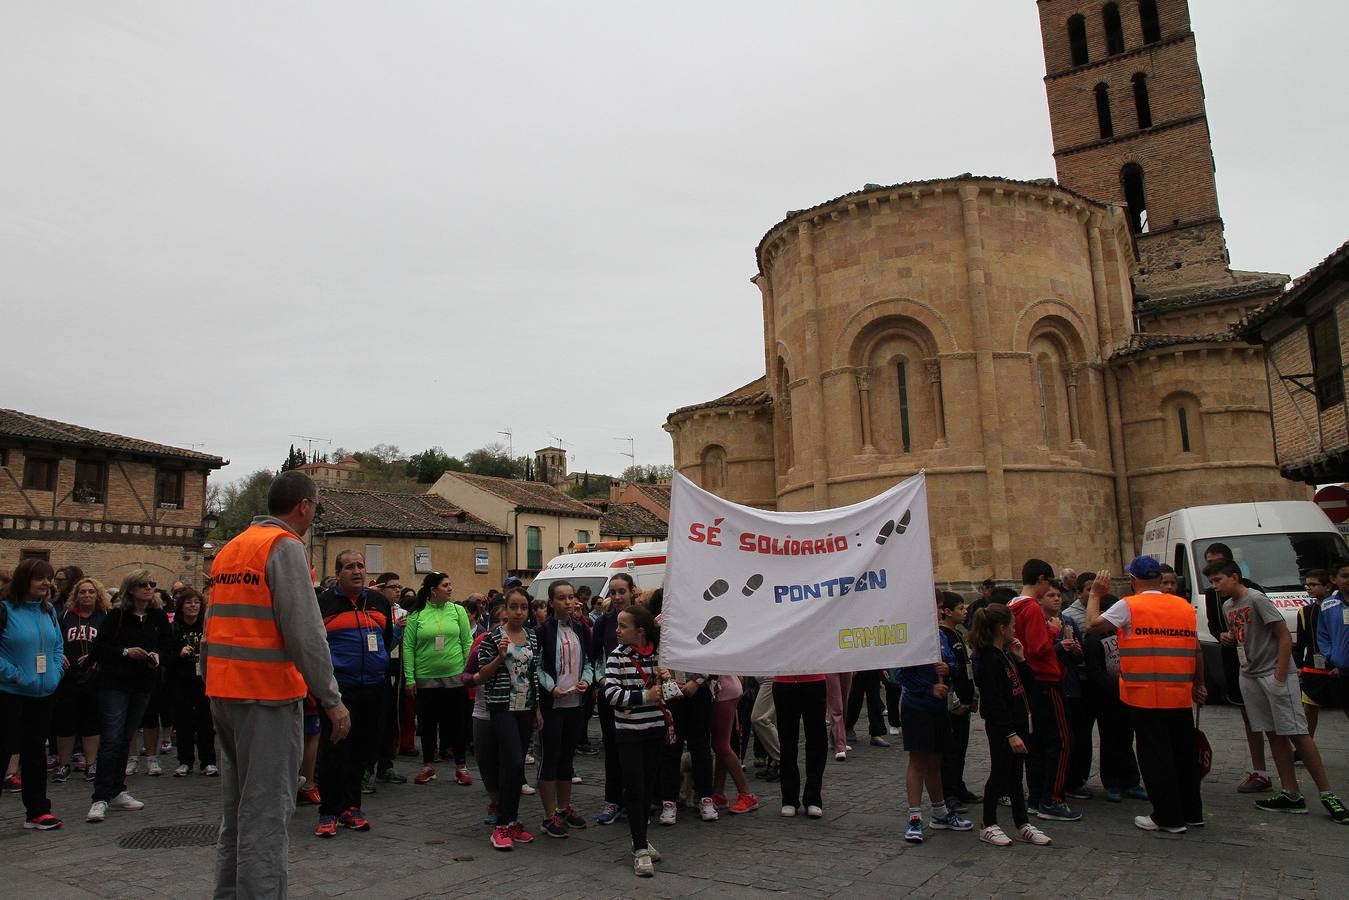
1275	543
593	568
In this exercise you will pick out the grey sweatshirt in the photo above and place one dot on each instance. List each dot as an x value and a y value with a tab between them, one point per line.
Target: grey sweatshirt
297	615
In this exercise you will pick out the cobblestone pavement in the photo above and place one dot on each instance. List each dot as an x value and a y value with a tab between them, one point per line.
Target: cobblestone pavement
429	841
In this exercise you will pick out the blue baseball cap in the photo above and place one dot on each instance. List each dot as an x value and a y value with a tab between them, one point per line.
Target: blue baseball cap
511	581
1145	568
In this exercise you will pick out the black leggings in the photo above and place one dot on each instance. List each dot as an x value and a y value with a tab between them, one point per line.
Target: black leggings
1005	768
196	729
505	752
693	727
440	713
640	754
801	705
24	722
865	686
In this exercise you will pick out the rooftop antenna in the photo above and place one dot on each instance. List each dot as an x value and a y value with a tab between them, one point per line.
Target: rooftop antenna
631	453
311	440
510	441
193	445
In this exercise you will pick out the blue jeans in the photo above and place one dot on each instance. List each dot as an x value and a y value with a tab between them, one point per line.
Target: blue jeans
120	713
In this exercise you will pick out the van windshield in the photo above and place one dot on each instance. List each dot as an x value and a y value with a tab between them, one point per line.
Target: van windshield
598	586
1277	562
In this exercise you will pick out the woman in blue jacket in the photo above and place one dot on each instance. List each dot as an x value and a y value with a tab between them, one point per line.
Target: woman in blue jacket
31	664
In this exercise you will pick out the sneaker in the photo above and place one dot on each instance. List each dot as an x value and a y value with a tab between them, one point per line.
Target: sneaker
210	770
1136	793
719	801
608	815
77	764
165	747
519	835
125	801
152	767
743	804
914	833
655	854
995	836
1336	808
91	772
97	812
529	759
641	864
1146	824
1004	801
951	822
1197	823
1032	835
667	813
814	812
501	838
1113	796
327	827
462	777
570	816
879	742
1254	783
708	810
773	772
840	756
182	771
528	790
426	775
893	729
367	783
1059	812
1282	802
389	776
577	779
61	774
1081	793
354	819
44	822
309	796
788	811
132	765
554	826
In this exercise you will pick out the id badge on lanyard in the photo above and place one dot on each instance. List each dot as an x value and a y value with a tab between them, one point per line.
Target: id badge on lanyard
1241	653
371	642
440	643
1344	611
42	664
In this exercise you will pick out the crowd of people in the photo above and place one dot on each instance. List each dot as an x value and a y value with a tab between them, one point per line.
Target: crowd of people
310	695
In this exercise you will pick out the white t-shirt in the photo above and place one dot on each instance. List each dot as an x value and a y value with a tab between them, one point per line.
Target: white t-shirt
1119	615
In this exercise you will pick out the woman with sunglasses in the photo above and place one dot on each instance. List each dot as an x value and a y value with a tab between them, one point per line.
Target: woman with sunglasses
129	647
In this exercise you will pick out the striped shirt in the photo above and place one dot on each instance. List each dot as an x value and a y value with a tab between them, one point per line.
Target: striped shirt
624	688
514	684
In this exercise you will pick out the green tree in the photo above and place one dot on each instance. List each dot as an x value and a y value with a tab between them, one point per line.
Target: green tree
237	502
494	460
429	465
648	474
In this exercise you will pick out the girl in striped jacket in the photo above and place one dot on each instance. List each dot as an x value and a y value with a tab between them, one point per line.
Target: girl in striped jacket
632	685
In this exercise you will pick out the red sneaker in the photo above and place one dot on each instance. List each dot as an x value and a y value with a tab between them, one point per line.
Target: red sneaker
327	827
13	783
719	801
353	819
426	776
44	822
501	838
743	804
519	835
309	797
461	775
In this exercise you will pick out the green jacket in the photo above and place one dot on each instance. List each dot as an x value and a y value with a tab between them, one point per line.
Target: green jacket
421	659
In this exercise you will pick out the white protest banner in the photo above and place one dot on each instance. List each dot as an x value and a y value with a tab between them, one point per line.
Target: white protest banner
751	592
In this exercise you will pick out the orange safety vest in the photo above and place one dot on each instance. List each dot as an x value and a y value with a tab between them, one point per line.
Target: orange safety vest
245	651
1157	657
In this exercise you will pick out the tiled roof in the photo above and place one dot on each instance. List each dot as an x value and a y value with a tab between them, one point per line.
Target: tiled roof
532	495
660	493
631	520
1310	282
1143	342
25	426
753	394
1244	285
393	513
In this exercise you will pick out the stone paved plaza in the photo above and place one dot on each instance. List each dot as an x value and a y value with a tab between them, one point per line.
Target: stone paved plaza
430	842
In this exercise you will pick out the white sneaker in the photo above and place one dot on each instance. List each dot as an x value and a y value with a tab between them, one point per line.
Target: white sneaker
641	864
788	812
152	767
98	812
210	771
182	771
814	812
708	810
893	730
1146	824
125	801
655	854
529	759
667	813
528	790
576	779
840	756
131	765
995	836
1032	835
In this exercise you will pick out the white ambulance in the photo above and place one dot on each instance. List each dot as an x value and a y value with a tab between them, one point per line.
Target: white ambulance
1275	543
594	564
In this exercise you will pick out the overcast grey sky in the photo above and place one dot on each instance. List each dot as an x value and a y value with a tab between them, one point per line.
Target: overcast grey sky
420	223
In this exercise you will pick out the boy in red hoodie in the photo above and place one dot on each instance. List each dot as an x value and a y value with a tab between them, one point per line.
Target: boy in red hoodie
1050	739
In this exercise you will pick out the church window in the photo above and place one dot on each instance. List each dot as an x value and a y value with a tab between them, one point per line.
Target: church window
1114	29
1141	104
1327	369
714	468
1103	111
1077	40
906	439
1152	25
1135	199
1183	419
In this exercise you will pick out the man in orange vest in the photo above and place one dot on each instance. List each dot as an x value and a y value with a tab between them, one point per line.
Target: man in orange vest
1161	673
264	649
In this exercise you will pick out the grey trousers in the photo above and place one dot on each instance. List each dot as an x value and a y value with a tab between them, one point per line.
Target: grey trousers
764	719
260	749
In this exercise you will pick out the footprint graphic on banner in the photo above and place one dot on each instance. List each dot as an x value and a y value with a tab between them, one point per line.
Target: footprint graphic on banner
715	590
903	524
754	583
886	530
714	629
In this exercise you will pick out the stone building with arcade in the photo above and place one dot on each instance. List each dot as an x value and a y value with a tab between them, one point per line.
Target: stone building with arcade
1057	356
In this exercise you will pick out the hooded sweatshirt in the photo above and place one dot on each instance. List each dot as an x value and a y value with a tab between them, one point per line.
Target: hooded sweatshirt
1033	632
30	632
1332	632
